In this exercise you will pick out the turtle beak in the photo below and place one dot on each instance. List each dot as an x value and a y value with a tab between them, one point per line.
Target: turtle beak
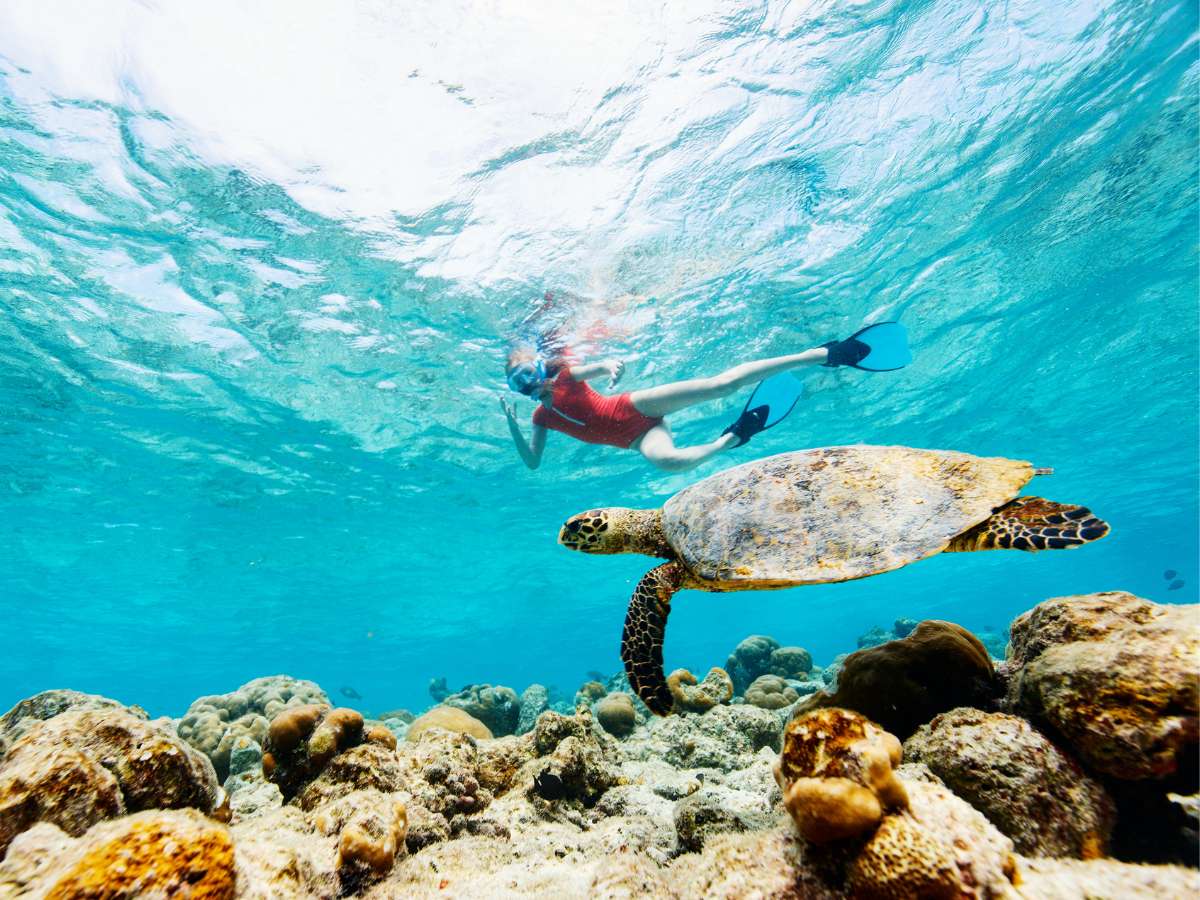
569	535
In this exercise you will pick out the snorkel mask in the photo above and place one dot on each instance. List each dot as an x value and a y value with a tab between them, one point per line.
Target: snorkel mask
524	378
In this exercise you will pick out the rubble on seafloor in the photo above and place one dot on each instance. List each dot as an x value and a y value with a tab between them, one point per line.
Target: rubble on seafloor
1072	768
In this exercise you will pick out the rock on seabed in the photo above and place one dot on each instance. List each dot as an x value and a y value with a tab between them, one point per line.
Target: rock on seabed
1027	787
1115	676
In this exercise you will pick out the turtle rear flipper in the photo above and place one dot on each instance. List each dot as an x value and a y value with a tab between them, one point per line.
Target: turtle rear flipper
642	640
1032	523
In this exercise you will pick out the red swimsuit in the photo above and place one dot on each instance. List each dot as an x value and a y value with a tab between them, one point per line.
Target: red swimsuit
582	413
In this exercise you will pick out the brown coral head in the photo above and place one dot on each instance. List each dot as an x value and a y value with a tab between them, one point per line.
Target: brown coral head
616	714
838	744
340	729
292	725
368	844
380	734
905	683
817	743
877	757
678	681
691	696
831	809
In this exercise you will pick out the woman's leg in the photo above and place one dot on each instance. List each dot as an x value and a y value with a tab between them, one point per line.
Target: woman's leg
668	398
658	447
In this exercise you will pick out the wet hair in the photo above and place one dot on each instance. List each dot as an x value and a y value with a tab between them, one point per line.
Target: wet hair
526	353
517	355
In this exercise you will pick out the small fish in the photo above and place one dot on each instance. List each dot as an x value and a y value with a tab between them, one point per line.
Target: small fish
593	675
350	692
1169	574
550	786
1176	584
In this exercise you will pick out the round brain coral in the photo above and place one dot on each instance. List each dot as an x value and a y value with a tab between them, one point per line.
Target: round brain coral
616	714
770	692
790	662
448	718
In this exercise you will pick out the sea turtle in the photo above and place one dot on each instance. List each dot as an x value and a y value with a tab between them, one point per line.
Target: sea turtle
815	516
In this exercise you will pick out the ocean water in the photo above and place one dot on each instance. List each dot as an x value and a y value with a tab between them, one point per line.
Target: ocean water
259	269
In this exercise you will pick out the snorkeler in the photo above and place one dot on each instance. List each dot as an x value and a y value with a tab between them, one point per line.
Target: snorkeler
636	420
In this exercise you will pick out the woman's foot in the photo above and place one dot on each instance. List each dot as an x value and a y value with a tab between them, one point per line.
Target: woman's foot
748	424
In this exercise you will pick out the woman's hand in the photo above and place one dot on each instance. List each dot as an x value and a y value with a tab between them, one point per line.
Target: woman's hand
615	369
508	408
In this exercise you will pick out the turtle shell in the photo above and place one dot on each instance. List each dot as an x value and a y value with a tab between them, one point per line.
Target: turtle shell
834	513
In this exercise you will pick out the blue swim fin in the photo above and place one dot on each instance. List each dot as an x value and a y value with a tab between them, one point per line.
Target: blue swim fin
771	401
882	347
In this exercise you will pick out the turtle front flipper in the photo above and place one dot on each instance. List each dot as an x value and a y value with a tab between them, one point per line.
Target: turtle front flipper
1032	523
642	640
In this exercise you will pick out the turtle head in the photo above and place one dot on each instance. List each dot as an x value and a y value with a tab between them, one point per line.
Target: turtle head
616	530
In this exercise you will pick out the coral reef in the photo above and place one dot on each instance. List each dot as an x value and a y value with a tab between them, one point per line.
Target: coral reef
402	715
1029	789
903	627
498	708
717	809
983	857
770	692
1115	676
49	704
212	724
698	698
790	662
370	827
80	767
829	674
577	761
749	659
155	853
616	714
901	859
874	637
448	718
724	802
577	769
589	692
836	771
249	791
904	683
724	738
1068	879
303	740
535	700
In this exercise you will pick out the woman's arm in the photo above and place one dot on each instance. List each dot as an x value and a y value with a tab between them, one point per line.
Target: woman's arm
613	368
531	453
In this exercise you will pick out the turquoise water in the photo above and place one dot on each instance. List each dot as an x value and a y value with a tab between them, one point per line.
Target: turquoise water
257	280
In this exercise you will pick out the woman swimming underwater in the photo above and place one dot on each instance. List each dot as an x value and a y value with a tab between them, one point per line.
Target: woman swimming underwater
636	420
